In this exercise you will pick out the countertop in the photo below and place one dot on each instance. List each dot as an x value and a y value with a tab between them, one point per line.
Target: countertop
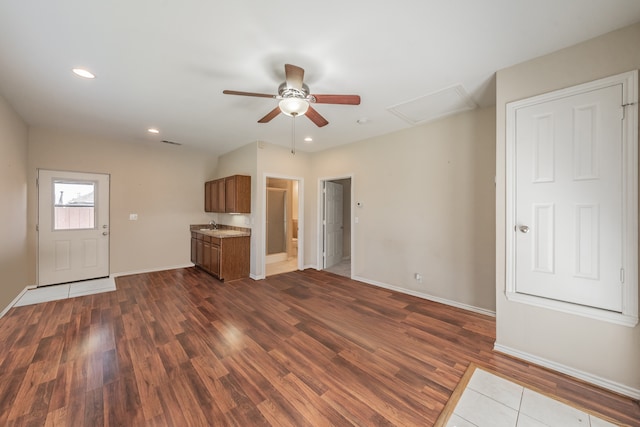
221	232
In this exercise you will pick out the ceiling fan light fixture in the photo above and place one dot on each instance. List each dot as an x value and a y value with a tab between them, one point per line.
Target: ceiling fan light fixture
294	106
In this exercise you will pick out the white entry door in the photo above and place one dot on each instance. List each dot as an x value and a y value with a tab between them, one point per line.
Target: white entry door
569	199
73	226
334	226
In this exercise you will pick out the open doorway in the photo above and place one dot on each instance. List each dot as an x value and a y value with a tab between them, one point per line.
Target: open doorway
335	244
281	225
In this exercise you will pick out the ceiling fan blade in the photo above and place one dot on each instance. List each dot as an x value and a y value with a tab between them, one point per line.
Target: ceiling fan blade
260	95
293	76
272	114
316	118
337	99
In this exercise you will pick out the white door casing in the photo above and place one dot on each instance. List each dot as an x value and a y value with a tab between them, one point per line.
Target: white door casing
572	199
78	248
334	225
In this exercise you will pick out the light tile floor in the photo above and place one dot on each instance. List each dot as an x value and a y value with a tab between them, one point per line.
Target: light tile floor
281	267
67	290
343	268
492	401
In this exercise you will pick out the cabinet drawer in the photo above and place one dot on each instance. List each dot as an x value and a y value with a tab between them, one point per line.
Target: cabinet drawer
215	241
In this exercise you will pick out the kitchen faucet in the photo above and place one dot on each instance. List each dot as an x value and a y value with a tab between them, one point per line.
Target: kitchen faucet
213	224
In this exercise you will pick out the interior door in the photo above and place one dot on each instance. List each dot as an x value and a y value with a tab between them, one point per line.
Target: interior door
333	223
569	202
73	226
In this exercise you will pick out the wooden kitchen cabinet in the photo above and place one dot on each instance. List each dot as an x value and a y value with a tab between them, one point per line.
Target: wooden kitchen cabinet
231	194
214	196
194	248
208	196
215	261
206	255
237	194
226	258
217	195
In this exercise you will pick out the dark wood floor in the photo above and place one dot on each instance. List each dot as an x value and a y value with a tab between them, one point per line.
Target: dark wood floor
180	348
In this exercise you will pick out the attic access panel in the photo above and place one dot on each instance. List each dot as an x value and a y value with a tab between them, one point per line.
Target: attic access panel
442	103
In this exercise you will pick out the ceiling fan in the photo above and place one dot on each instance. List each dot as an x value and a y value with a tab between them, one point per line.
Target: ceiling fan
295	98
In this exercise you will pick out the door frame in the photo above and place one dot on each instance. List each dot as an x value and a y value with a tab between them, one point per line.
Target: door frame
263	219
320	230
107	222
629	315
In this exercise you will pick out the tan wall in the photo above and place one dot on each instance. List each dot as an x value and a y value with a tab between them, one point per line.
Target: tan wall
242	161
276	161
163	184
597	348
427	197
13	199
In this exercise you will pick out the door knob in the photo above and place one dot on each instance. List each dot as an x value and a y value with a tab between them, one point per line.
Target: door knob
523	229
105	233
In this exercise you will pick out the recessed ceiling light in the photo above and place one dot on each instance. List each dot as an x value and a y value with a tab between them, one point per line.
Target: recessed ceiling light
308	139
83	73
153	130
363	120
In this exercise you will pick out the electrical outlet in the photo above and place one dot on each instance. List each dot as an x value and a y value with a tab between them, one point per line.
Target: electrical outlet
418	277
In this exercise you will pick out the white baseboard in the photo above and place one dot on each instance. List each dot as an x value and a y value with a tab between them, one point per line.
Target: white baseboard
150	270
427	296
576	373
16	299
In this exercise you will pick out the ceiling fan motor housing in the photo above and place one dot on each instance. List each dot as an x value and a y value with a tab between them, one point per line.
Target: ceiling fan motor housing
285	91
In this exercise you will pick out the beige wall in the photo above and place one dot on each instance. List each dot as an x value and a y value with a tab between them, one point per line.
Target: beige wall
163	184
276	161
13	199
427	197
595	349
242	161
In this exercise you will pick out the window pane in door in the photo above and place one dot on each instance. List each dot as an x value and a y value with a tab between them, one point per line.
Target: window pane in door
73	205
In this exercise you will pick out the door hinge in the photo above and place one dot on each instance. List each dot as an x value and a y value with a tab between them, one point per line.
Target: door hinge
37	227
624	110
37	182
622	275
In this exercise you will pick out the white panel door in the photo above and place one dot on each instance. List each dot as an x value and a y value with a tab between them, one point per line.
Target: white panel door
73	226
334	226
569	192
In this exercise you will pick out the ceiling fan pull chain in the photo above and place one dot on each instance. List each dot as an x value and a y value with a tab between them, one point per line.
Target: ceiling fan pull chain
293	136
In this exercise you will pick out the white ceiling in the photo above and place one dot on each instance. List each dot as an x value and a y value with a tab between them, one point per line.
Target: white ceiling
165	63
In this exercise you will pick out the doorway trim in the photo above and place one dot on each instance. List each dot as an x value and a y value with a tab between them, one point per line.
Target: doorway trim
263	219
320	230
629	187
73	267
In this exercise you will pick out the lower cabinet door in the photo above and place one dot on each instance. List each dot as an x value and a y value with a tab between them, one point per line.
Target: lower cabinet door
199	252
194	250
206	256
215	261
